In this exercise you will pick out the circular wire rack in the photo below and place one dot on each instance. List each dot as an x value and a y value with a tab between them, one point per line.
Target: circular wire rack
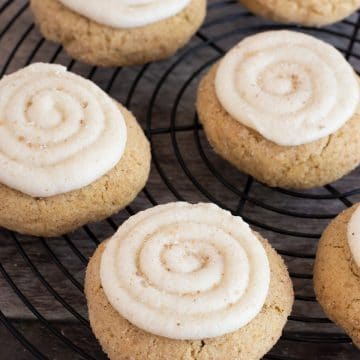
41	300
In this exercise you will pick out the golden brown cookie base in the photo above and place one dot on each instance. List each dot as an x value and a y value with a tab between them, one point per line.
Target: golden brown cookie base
63	213
123	341
337	277
304	12
298	167
101	45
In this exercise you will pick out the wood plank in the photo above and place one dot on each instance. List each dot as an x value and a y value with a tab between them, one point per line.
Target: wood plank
36	267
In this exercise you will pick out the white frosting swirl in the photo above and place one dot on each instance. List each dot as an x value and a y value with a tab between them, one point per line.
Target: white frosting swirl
353	235
126	13
186	271
58	131
290	87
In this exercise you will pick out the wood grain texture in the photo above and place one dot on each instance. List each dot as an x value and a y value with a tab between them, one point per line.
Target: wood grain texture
48	273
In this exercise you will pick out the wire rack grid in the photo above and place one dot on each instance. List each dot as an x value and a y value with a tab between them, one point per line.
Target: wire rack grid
42	304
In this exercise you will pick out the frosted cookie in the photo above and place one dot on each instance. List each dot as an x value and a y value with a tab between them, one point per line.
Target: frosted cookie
304	12
337	272
182	281
119	32
69	154
283	107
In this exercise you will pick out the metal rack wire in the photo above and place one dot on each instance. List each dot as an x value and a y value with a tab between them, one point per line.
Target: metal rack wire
293	221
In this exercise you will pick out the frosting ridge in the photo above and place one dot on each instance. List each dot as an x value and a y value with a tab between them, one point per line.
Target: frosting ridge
290	87
126	13
59	132
186	271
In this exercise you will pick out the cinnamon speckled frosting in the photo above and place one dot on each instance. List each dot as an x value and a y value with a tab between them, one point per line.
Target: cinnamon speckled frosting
58	131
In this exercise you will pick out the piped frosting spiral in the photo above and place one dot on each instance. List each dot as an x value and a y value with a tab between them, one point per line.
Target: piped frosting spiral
290	87
126	13
186	271
58	131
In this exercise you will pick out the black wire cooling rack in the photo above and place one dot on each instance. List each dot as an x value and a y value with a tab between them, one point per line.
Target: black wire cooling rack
42	306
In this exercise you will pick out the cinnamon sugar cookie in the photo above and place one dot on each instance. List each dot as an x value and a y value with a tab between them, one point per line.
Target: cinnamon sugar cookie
119	33
262	112
69	154
303	12
188	250
337	272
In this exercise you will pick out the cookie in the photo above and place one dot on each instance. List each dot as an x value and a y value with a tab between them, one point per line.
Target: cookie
69	154
276	126
337	272
303	12
119	44
177	260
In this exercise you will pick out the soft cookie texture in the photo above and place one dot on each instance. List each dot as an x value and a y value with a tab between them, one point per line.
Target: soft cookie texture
59	214
299	167
122	341
304	12
102	45
336	277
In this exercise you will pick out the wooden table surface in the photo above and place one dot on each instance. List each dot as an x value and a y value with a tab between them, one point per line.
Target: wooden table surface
41	299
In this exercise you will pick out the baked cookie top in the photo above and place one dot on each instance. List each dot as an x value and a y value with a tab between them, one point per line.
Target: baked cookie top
288	86
126	13
58	131
186	271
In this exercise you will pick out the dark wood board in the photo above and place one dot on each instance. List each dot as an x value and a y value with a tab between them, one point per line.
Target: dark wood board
41	279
